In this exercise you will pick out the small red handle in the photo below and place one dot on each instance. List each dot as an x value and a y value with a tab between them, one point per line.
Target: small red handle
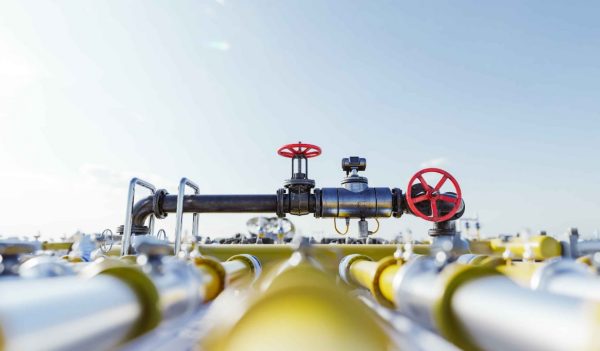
433	195
299	149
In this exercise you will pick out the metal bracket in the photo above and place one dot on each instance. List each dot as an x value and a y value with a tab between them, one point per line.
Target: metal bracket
181	193
126	243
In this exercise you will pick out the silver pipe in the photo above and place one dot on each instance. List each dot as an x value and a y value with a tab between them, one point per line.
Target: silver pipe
66	313
416	289
585	247
499	315
180	289
128	213
179	224
566	277
411	336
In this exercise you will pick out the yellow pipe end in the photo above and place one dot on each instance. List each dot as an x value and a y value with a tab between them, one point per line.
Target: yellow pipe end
368	274
214	276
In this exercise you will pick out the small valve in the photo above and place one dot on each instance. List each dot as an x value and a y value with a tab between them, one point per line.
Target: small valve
354	164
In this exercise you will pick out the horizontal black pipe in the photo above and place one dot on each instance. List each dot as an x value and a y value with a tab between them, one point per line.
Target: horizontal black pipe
205	204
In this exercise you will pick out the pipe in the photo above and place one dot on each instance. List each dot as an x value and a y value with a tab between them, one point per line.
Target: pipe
302	309
206	204
67	313
542	247
557	276
499	315
116	303
377	277
478	309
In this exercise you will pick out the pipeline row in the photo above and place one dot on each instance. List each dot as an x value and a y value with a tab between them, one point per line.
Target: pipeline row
483	303
109	302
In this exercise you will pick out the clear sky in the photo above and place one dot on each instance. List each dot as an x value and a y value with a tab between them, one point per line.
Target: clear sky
505	95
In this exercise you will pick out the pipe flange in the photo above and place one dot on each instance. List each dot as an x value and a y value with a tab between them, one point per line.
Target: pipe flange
317	193
251	261
397	203
157	201
280	200
346	262
542	276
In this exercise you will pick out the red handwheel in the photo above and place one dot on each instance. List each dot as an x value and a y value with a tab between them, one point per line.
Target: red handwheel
299	149
433	195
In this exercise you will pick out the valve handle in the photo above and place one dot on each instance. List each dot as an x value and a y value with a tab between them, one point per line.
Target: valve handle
433	195
299	149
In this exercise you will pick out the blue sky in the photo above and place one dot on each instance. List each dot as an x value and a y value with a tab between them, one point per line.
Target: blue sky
505	96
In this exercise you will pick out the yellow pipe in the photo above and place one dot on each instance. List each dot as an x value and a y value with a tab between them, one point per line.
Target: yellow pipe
375	276
219	274
329	255
386	285
542	247
56	246
301	308
520	272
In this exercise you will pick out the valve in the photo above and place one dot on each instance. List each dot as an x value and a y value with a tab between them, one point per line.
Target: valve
430	203
299	152
299	185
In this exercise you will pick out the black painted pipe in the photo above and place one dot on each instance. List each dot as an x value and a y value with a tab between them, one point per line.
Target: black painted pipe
206	204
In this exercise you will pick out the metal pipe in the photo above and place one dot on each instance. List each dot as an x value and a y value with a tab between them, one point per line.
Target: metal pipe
377	277
180	287
207	204
585	247
179	221
566	277
129	213
67	313
499	315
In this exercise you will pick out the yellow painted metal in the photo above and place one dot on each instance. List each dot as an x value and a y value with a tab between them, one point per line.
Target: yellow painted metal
542	247
301	308
328	255
386	285
586	260
520	272
368	274
214	276
56	246
451	278
481	247
141	285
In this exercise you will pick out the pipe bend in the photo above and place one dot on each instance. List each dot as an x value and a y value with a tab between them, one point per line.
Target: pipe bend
141	210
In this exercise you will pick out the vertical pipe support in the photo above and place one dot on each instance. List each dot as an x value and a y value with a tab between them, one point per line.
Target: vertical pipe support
180	195
125	245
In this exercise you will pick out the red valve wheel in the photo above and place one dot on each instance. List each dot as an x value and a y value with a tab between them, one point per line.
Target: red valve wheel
299	149
433	195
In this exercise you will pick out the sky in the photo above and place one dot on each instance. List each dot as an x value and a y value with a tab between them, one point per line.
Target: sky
504	95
